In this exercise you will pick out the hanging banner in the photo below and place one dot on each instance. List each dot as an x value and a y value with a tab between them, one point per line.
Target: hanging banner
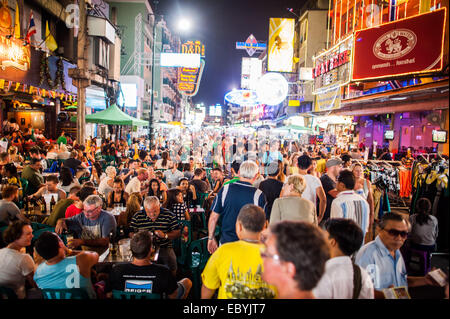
281	45
329	100
401	47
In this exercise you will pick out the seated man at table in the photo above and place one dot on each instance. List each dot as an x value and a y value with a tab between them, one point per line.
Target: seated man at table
60	271
75	164
92	228
9	211
51	188
33	175
163	224
143	276
61	206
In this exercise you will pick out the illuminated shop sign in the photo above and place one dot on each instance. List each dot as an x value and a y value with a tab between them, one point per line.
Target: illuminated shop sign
281	45
335	61
332	69
189	77
193	47
14	54
408	46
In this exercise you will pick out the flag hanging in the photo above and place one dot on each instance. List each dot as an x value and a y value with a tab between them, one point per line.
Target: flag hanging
49	39
31	27
17	22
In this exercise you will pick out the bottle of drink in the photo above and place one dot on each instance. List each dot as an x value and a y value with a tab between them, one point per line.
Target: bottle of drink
112	246
52	203
43	207
31	207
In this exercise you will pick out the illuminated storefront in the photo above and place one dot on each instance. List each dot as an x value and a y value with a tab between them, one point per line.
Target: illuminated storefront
34	87
397	77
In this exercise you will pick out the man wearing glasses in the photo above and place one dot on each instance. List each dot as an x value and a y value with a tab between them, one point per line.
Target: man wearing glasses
92	228
382	259
294	258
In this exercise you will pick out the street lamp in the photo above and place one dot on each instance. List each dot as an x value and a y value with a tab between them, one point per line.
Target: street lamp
184	25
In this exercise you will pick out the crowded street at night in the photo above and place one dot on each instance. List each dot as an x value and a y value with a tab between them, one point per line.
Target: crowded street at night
194	149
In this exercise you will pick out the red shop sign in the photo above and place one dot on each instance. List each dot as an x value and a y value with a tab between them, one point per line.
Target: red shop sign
408	46
335	61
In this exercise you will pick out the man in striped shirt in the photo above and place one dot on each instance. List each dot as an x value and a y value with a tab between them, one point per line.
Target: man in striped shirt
229	201
164	226
348	204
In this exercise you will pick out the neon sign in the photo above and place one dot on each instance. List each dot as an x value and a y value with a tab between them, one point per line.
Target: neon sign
189	78
334	62
193	48
14	54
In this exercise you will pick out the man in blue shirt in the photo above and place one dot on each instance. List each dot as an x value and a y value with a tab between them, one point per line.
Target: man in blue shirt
229	201
382	259
92	228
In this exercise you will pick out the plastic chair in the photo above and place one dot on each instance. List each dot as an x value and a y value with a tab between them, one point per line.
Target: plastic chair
7	293
181	245
117	294
74	293
24	183
198	257
201	197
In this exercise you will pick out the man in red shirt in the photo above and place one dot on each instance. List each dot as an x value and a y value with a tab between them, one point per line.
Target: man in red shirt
77	207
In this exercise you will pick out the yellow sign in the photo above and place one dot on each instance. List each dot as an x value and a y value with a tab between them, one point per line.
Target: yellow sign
193	47
329	100
281	45
294	102
14	54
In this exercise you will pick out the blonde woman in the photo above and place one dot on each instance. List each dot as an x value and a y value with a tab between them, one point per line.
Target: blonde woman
363	187
291	205
14	156
133	206
107	184
293	168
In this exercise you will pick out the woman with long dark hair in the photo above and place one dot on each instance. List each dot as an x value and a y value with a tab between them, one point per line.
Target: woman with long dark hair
118	194
66	179
175	203
189	194
155	190
164	162
424	227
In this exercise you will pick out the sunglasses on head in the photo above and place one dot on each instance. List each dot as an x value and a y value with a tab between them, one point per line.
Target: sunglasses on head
395	233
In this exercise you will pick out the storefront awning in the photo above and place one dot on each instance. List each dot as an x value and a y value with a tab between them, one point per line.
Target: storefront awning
113	116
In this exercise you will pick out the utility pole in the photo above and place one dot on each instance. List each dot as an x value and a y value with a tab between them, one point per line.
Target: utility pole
81	75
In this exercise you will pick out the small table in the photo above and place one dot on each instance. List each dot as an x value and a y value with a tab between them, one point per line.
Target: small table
118	258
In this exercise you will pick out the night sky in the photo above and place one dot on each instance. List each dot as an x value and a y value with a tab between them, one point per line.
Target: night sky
219	24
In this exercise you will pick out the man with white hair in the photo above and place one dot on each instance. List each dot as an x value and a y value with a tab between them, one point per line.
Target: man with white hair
92	228
229	201
164	226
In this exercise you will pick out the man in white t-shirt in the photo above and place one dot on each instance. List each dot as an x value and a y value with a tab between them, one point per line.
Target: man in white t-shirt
134	185
343	279
314	187
17	267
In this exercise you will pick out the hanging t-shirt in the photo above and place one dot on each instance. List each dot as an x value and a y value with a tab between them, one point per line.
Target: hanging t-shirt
236	270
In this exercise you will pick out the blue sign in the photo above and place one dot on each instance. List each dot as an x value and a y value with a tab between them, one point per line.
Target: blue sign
251	45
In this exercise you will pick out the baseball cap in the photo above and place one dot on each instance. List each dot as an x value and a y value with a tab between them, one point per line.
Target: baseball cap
333	162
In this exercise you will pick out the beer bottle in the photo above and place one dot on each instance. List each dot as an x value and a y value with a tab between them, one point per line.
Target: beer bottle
112	246
52	203
31	207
